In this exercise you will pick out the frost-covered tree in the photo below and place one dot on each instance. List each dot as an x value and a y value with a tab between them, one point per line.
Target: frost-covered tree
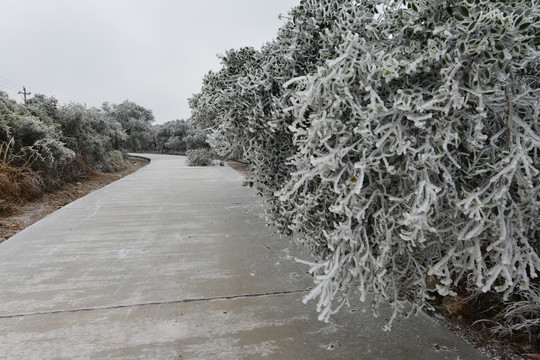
170	136
400	140
178	136
136	122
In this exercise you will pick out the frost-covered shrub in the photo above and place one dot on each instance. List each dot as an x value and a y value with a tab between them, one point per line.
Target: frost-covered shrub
199	157
428	157
521	316
30	152
221	106
6	108
43	107
412	142
12	177
40	141
35	141
92	135
43	145
244	106
112	161
409	159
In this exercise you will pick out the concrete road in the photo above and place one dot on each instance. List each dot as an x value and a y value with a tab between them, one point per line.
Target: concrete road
174	262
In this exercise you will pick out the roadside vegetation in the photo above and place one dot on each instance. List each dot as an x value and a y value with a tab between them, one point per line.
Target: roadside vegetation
177	137
400	141
44	145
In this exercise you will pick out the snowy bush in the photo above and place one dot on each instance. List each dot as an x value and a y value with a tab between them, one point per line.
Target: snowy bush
36	142
43	145
400	140
243	106
520	316
89	134
199	157
409	158
30	150
40	141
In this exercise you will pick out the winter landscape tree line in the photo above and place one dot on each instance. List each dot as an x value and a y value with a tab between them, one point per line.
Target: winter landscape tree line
400	142
44	145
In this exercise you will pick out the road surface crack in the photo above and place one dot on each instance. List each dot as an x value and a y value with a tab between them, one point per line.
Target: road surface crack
172	302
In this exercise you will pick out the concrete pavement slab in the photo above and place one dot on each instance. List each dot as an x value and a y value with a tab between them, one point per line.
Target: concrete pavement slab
269	327
174	262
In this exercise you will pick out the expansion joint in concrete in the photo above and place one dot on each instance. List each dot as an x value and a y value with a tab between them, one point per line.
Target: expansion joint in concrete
229	297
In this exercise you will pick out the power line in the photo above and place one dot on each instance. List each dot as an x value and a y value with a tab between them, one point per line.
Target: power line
7	81
8	86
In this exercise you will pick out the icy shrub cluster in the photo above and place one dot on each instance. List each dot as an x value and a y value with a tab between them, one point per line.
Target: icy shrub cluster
177	136
400	140
43	144
39	140
199	157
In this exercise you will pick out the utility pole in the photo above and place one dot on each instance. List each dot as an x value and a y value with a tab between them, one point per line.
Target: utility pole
25	93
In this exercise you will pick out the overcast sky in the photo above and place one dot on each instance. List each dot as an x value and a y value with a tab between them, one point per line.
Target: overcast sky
152	52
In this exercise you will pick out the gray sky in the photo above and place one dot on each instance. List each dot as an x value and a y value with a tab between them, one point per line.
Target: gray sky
152	52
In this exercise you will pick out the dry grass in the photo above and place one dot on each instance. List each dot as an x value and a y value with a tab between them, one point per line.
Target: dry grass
25	213
16	182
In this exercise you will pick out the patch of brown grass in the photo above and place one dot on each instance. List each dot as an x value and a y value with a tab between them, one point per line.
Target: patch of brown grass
16	182
25	213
